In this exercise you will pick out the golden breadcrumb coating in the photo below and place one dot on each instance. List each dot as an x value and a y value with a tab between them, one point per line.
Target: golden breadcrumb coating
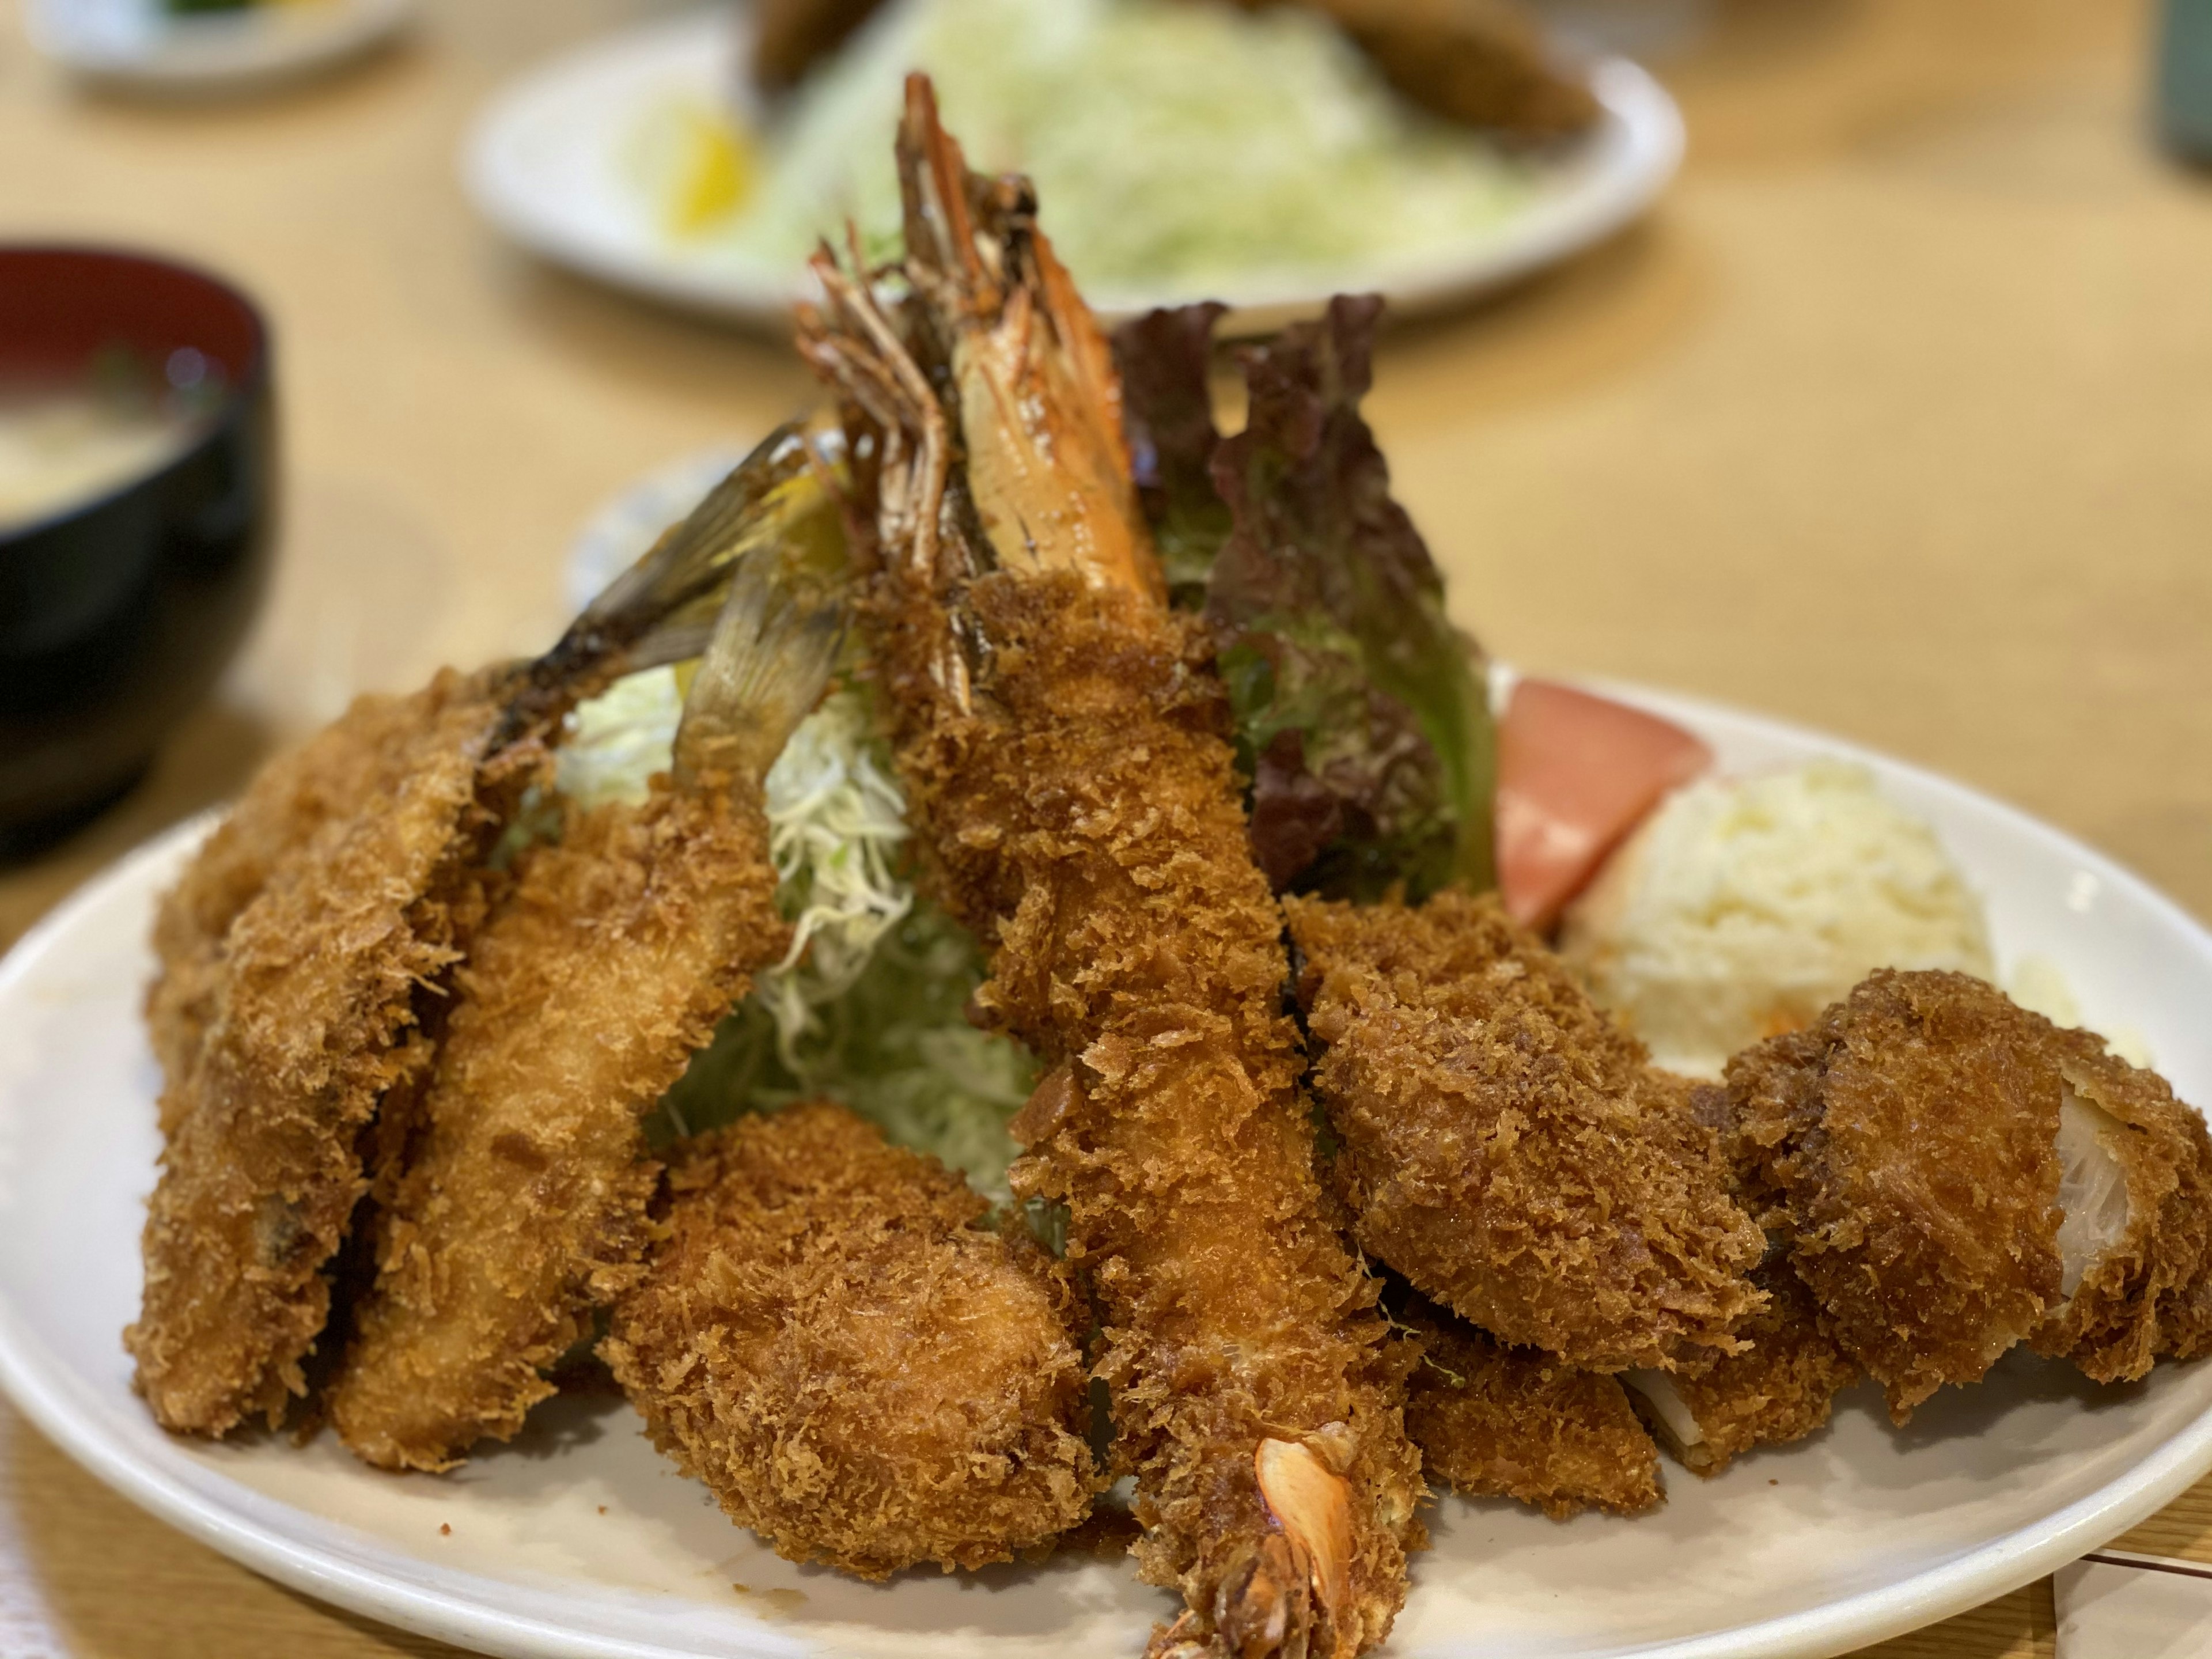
1079	807
862	1373
2147	1296
1086	822
1499	1422
1906	1142
1506	1148
306	1032
523	1206
1781	1388
360	757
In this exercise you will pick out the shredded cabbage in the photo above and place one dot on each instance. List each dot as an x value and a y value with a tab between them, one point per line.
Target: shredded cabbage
1168	142
867	1004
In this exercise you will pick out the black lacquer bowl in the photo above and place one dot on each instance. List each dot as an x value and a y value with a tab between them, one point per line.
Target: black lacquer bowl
118	609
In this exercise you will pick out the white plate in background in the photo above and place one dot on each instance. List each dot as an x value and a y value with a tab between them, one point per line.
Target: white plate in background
579	1540
545	164
137	44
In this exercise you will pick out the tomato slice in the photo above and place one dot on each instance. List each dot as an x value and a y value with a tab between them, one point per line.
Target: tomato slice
1576	773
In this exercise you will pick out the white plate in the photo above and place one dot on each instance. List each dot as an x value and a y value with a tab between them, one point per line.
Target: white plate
135	43
544	165
579	1540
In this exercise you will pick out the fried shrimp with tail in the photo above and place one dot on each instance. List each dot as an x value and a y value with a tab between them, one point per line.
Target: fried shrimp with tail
1507	1148
862	1374
620	947
1080	808
298	951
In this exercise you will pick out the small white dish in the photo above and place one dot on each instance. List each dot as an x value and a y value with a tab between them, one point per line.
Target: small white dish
139	45
578	1541
544	165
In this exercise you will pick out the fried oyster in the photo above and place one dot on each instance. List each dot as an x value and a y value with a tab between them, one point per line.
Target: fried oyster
860	1373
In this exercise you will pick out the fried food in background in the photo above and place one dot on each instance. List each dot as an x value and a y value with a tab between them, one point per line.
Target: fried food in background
1499	1422
1079	809
862	1374
790	36
1942	1200
1780	1388
622	946
1482	63
1506	1148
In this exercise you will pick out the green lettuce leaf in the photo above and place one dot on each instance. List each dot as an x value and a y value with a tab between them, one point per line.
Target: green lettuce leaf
1362	720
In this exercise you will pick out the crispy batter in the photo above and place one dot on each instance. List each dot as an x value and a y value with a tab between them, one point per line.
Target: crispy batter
359	758
524	1208
862	1375
2146	1296
315	996
1493	1421
1080	809
1506	1148
1907	1146
1780	1389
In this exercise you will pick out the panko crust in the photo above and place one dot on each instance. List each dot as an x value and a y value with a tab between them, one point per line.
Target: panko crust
1085	820
1906	1143
1780	1389
305	1028
360	757
858	1371
1493	1421
2149	1296
1506	1147
523	1206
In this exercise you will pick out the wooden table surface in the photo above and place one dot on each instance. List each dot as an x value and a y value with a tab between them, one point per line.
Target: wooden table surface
1896	419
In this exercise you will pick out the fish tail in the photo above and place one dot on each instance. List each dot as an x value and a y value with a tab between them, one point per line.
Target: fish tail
773	645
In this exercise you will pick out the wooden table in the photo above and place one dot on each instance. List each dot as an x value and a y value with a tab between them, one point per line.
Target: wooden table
1897	419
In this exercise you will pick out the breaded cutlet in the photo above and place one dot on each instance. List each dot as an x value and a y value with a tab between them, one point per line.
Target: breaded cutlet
1507	1148
860	1373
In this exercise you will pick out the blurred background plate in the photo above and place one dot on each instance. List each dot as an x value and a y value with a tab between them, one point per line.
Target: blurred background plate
545	163
138	44
578	1539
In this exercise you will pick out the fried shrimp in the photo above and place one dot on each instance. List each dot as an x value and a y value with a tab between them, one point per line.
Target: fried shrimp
862	1375
1079	807
1499	1422
299	947
1954	1174
1506	1148
523	1206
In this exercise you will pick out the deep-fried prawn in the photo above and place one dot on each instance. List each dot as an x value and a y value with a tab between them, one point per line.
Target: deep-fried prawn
622	946
1080	810
862	1375
1498	1145
1499	1422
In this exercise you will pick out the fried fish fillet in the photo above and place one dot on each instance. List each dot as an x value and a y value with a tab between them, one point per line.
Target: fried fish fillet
1954	1174
306	1032
1080	808
1506	1148
1499	1422
862	1374
622	946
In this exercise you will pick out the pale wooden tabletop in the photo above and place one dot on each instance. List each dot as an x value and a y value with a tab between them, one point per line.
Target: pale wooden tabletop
1896	419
